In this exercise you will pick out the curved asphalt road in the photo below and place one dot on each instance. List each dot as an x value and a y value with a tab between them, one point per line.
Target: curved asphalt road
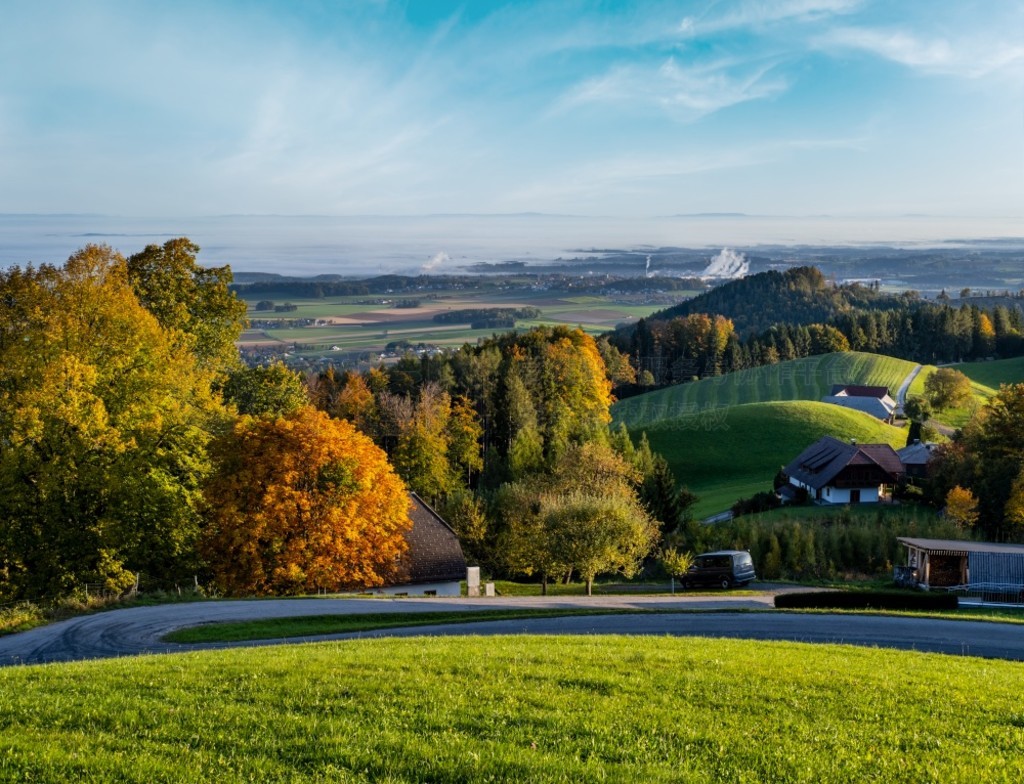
139	630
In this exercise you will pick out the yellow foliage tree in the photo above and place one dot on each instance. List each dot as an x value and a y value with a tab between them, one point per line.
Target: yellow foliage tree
962	507
301	503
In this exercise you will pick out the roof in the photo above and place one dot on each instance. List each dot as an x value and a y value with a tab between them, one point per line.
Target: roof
823	460
917	453
959	547
434	553
857	390
878	408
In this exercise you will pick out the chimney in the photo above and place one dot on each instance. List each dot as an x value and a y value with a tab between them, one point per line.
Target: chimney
853	442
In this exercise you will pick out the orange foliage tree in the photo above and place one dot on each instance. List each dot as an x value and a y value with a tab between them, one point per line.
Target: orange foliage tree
301	503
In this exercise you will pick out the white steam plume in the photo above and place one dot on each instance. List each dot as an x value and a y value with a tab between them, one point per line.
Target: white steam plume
727	264
436	261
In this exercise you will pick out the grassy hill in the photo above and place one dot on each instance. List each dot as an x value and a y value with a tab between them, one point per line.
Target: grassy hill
958	417
524	708
992	374
800	379
730	453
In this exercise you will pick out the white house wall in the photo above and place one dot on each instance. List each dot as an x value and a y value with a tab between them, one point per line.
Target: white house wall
422	589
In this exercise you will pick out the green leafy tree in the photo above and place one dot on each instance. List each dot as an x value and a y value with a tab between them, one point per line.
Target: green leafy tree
271	390
947	388
188	297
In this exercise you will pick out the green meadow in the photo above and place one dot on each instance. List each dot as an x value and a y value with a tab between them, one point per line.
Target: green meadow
992	374
799	379
518	709
730	453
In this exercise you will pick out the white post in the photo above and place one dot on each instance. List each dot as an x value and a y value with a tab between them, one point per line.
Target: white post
473	580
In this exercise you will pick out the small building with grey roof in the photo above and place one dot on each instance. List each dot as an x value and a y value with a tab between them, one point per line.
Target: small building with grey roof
989	570
875	401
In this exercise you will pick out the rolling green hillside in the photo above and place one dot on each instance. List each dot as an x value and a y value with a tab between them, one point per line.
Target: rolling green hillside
730	453
799	379
992	374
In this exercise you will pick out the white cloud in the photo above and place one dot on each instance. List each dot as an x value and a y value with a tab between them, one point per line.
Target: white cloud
969	58
760	13
686	92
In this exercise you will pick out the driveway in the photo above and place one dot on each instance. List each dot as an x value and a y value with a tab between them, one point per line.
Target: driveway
139	630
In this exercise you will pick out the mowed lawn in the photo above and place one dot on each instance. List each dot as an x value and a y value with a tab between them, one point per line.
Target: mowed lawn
518	709
799	379
726	454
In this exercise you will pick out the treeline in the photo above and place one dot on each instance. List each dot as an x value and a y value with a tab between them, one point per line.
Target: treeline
808	317
488	318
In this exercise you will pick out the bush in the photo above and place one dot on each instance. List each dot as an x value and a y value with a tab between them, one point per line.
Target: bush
759	502
880	600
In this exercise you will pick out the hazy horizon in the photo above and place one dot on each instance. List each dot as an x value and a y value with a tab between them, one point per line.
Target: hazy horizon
365	245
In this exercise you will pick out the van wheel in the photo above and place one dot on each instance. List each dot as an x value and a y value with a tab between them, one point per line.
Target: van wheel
726	583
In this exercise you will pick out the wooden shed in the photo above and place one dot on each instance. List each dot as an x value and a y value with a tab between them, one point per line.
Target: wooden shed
990	569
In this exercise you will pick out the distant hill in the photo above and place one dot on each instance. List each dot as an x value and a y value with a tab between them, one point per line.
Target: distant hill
802	295
810	378
726	454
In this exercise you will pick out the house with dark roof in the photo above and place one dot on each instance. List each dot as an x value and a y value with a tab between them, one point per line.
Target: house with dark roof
434	564
875	401
839	472
989	570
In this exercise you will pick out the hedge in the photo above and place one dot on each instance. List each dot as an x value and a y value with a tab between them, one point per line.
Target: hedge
867	600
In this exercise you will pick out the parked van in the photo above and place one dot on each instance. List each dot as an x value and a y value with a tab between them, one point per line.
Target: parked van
724	568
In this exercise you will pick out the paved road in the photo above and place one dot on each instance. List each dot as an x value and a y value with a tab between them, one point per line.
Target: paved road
901	394
139	630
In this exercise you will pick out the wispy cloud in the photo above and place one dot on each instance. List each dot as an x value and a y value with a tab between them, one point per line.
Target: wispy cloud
686	92
969	58
755	14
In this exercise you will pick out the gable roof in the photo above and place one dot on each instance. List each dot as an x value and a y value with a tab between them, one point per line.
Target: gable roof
859	390
880	408
821	462
917	453
434	553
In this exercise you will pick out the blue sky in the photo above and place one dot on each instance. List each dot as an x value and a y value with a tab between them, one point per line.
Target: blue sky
773	107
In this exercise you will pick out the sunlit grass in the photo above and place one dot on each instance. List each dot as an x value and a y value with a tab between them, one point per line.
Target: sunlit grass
522	709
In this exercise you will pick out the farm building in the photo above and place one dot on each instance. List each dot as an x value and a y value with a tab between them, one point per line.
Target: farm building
434	564
836	472
875	401
989	569
915	458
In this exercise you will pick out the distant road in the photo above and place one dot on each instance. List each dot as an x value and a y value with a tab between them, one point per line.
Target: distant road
139	630
901	395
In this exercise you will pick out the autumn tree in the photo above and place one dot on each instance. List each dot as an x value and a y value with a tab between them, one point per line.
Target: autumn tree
301	503
961	507
185	296
104	422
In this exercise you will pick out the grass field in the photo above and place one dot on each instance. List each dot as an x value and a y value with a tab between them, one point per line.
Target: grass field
954	417
992	374
800	379
524	709
726	454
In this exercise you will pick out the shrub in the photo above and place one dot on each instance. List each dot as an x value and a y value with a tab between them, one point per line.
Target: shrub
876	600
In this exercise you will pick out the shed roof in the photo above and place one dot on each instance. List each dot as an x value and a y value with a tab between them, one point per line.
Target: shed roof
434	553
822	461
959	547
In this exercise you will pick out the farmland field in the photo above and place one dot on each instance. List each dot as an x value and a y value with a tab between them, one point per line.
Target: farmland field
726	454
799	379
361	323
992	374
518	709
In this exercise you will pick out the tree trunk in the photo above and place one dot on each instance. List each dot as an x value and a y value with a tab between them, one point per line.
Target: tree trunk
544	584
590	586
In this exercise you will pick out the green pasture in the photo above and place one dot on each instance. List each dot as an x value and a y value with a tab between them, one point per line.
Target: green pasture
730	453
992	374
524	709
799	379
954	417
